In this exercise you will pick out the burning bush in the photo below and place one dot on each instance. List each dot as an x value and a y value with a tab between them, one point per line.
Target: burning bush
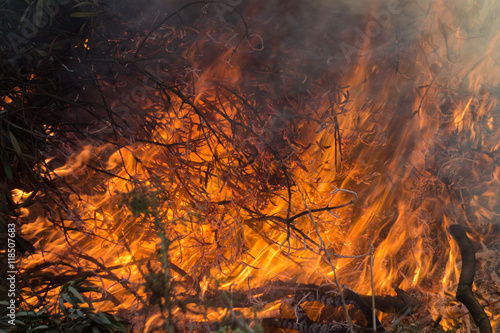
255	163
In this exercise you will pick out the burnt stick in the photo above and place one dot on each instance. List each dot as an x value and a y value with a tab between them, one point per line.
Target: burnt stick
464	289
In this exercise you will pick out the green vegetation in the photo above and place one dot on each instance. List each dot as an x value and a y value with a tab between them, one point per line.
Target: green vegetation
73	313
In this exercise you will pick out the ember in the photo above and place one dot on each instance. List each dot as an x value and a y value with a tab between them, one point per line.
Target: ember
282	165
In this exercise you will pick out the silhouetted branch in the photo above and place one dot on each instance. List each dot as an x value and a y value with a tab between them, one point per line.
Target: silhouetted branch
464	289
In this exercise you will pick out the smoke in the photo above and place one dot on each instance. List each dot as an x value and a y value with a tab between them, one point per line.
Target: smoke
341	31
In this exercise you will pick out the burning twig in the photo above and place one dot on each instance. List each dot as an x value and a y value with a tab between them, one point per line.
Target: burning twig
288	222
464	289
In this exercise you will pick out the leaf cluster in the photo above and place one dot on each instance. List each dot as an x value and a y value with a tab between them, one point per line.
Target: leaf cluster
73	313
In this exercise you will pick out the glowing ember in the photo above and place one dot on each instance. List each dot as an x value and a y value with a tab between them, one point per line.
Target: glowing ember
248	142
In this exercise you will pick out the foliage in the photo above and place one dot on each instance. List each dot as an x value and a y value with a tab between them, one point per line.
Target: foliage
73	313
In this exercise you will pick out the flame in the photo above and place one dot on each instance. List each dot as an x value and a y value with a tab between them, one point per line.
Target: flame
408	140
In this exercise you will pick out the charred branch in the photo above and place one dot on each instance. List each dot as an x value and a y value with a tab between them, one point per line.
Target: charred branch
464	289
298	294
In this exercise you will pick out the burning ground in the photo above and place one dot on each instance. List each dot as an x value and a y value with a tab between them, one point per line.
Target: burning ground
268	163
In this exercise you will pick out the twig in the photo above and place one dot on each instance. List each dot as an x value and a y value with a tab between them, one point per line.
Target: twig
374	316
435	325
398	320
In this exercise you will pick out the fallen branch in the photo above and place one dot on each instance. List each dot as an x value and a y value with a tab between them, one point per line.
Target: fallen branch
464	289
400	304
295	294
326	294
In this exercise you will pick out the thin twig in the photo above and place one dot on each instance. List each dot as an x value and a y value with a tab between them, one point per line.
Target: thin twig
373	289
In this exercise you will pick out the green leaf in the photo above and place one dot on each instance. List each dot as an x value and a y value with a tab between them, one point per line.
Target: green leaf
77	282
15	144
119	326
41	327
83	14
82	4
25	313
61	305
70	300
102	319
76	293
85	289
7	168
87	308
20	322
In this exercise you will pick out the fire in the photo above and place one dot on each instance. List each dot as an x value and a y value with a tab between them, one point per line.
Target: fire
405	140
